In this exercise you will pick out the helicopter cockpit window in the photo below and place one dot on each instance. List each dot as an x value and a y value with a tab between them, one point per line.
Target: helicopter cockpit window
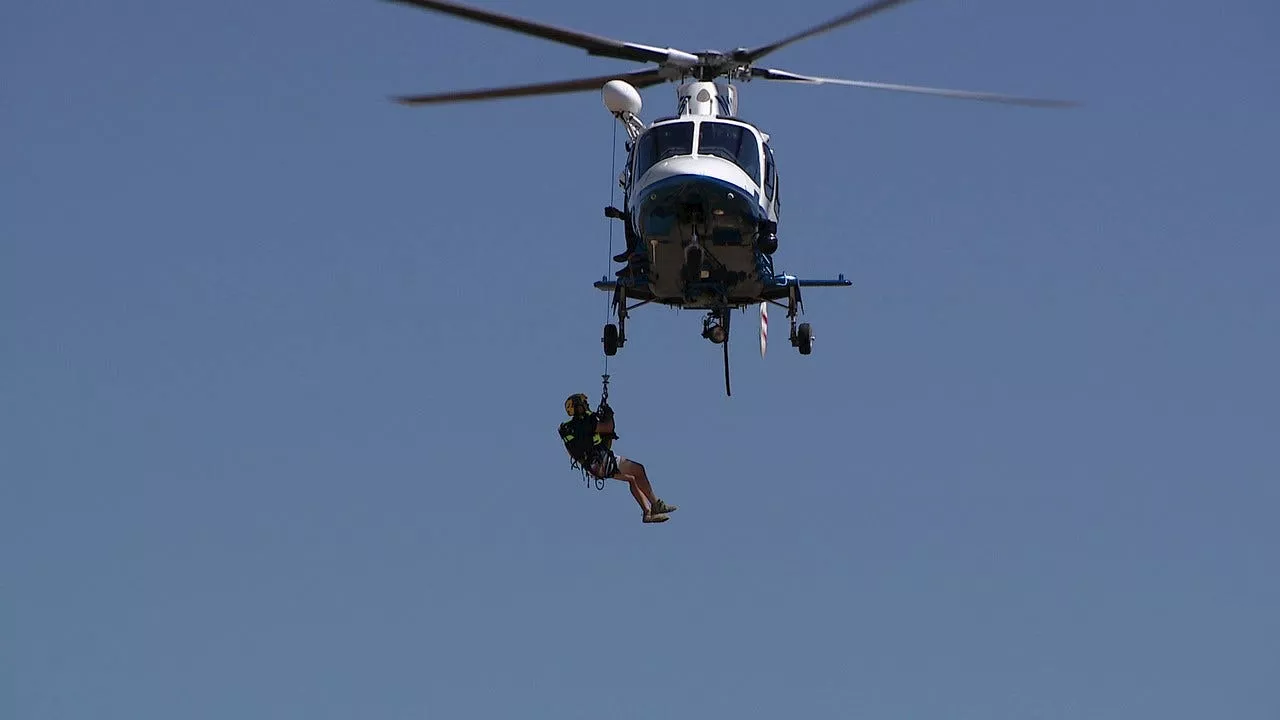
770	173
662	142
734	143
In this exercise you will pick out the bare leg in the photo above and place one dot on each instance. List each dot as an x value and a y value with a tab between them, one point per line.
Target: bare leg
634	475
631	481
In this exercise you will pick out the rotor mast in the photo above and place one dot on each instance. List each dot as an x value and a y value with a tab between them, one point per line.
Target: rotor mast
706	98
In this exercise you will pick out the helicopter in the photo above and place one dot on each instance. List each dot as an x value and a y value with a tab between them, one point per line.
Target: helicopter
701	200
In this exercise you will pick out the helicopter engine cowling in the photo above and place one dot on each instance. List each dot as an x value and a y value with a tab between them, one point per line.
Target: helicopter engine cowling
621	97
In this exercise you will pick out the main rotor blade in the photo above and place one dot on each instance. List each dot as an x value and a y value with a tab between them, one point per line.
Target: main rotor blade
861	13
771	74
593	44
640	79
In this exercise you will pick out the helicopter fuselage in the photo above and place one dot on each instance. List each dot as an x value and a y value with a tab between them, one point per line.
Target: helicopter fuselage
702	205
701	209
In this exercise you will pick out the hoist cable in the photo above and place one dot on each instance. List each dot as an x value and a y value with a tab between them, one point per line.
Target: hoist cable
613	170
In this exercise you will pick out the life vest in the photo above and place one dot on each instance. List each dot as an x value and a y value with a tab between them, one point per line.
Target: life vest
580	437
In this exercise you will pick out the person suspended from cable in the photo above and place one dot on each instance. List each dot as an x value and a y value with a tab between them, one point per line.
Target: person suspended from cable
588	438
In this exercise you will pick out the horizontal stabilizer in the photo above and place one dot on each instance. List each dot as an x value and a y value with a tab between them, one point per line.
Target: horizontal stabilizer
839	282
783	284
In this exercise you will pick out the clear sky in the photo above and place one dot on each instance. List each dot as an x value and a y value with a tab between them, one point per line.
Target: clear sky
283	361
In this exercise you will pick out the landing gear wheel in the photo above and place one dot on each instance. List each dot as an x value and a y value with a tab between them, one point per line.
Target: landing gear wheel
804	338
610	339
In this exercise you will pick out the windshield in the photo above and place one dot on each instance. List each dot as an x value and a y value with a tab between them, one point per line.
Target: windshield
661	143
734	143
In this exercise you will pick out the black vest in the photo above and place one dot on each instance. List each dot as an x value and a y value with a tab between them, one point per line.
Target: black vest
579	436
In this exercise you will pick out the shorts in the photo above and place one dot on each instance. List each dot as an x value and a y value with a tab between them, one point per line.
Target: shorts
603	463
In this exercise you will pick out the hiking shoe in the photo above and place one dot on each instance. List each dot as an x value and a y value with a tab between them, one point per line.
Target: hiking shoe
660	507
655	518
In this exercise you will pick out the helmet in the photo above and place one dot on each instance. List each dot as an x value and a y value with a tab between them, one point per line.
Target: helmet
577	404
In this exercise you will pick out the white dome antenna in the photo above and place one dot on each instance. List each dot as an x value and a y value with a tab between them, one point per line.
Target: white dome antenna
621	97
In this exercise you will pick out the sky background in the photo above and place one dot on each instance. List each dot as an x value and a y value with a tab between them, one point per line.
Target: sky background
282	365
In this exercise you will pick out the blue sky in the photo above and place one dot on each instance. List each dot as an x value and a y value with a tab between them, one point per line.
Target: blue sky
283	361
